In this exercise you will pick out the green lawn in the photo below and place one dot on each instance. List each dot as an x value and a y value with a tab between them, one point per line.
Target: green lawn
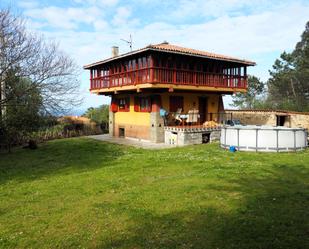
82	193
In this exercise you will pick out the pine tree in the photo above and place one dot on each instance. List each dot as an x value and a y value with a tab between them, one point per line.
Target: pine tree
288	87
250	99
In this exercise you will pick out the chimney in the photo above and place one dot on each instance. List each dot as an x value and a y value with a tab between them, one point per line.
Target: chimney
115	51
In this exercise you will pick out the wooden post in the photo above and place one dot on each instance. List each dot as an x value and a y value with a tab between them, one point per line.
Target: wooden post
194	74
91	79
245	77
151	69
174	71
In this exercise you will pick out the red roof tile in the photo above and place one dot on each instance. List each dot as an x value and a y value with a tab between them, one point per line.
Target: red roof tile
173	48
166	47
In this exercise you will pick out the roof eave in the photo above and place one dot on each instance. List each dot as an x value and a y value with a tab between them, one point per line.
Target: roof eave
89	66
249	63
115	58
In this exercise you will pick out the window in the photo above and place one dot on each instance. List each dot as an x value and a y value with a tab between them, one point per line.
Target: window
176	102
142	104
124	104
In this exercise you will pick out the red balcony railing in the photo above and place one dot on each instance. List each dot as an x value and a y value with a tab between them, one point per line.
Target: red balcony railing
168	76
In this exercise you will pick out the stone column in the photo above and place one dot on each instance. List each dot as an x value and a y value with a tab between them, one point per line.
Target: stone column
156	128
111	123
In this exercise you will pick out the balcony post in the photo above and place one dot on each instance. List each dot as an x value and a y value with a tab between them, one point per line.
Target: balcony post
239	78
151	69
174	73
245	77
194	74
91	80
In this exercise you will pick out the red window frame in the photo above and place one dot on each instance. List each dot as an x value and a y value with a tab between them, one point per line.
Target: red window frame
124	104
142	104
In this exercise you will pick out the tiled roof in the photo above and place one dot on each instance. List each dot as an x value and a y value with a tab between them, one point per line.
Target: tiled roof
166	47
268	110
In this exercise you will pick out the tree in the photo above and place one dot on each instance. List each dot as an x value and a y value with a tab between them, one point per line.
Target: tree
250	99
22	114
289	83
98	115
50	71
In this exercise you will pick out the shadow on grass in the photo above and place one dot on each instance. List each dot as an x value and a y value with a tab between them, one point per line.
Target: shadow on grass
272	213
57	156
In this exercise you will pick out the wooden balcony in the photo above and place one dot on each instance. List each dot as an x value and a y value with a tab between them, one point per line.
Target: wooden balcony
152	76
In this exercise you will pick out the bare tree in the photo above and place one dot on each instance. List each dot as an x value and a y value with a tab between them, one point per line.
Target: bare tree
50	70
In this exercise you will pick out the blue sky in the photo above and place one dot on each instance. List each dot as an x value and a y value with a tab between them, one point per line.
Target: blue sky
257	30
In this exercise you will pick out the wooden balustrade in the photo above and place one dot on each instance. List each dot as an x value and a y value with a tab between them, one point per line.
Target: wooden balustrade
168	76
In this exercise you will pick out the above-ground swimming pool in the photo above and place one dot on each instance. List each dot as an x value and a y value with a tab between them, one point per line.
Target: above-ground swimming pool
263	138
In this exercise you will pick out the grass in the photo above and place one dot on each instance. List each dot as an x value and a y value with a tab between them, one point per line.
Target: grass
82	193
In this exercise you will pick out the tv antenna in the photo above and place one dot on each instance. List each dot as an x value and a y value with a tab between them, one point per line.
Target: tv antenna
129	42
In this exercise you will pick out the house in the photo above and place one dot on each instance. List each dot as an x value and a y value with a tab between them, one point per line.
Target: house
187	83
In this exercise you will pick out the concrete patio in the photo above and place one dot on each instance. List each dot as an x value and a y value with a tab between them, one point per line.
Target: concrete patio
132	142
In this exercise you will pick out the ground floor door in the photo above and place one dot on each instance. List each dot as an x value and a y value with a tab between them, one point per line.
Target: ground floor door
202	106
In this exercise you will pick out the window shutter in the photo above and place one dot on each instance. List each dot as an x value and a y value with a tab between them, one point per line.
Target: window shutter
136	104
114	105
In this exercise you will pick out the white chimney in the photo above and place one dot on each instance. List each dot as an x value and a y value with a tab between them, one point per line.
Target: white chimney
115	51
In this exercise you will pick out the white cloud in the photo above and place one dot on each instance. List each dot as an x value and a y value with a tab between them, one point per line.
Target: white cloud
28	4
122	15
217	8
260	37
97	2
66	18
100	25
108	2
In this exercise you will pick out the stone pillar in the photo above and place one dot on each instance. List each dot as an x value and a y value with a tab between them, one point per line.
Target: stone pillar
156	128
111	123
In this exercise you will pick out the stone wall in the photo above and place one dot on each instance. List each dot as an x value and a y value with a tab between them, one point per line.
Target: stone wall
255	118
270	118
298	120
187	136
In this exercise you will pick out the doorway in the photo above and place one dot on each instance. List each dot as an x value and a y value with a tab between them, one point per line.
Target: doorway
202	107
281	119
121	132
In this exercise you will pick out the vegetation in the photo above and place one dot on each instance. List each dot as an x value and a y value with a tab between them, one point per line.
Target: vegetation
22	114
37	80
28	55
288	86
67	127
289	82
253	97
82	193
98	115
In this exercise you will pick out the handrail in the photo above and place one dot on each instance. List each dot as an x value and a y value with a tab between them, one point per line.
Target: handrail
174	119
178	120
168	76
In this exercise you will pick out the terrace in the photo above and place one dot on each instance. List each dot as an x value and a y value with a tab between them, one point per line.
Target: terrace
169	66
